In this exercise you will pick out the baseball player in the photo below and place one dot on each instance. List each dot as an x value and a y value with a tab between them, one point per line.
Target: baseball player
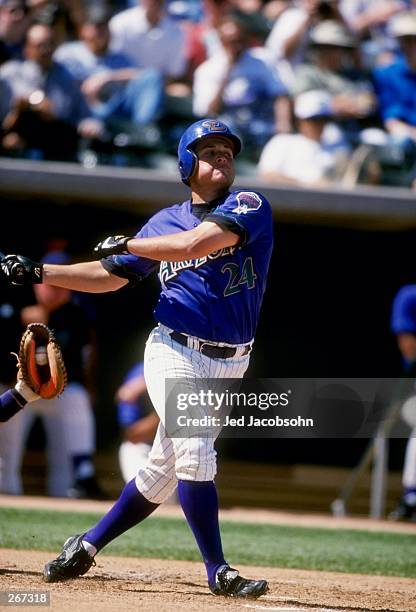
403	325
213	253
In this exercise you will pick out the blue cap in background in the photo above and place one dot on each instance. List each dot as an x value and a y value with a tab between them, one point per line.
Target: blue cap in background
403	317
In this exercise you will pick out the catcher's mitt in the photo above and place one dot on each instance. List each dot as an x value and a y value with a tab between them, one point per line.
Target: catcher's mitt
41	365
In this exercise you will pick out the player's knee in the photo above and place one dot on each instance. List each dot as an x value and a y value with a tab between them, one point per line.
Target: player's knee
156	492
156	480
199	473
192	468
196	460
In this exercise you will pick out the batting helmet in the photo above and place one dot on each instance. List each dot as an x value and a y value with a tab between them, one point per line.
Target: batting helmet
204	128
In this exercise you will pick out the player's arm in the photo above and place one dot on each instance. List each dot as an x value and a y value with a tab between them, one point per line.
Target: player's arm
11	402
191	244
198	242
143	430
90	277
131	390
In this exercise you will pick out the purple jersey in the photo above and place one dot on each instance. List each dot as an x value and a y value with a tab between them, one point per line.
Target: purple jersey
216	297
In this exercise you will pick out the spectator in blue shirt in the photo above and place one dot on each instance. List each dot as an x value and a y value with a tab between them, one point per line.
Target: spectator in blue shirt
46	111
239	85
396	83
114	87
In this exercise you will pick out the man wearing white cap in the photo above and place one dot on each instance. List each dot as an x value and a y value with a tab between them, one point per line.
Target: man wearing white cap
396	83
289	38
303	158
332	67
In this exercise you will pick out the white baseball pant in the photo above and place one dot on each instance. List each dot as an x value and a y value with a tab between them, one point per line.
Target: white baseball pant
69	427
179	458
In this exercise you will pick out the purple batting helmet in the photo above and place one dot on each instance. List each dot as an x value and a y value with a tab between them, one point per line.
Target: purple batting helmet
204	128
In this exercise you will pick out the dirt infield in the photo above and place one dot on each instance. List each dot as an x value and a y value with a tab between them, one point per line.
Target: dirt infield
153	585
164	586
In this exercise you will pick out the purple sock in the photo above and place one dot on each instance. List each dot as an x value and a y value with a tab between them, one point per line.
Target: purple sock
10	403
199	503
130	509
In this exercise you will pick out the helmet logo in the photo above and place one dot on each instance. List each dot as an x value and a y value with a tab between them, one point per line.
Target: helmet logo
214	126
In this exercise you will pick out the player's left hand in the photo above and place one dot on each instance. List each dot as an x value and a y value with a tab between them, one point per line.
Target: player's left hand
20	270
113	245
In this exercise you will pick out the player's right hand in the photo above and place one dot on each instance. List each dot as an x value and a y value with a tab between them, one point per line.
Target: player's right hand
113	245
20	271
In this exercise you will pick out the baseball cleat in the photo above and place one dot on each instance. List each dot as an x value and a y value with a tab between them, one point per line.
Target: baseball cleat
230	584
73	561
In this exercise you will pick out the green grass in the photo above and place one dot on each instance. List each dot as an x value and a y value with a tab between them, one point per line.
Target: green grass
343	550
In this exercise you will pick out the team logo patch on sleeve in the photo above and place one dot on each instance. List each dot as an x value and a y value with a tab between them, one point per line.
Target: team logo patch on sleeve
247	201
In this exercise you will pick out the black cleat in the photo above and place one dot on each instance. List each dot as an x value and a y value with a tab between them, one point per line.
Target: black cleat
403	512
230	584
73	561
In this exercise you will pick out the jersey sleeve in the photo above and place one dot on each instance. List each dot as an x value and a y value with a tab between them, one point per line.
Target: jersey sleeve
132	267
246	213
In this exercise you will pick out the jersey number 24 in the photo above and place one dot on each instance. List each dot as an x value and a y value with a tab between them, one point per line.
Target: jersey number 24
238	278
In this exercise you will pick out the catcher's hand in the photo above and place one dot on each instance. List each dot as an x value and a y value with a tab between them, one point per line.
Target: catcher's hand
41	365
113	245
20	270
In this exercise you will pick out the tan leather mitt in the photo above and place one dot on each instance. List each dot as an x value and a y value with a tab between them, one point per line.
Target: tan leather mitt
41	364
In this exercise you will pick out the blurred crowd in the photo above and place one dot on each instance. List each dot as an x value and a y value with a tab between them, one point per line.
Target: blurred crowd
321	91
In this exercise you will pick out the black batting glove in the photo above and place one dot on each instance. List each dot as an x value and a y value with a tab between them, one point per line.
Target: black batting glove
20	271
113	245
